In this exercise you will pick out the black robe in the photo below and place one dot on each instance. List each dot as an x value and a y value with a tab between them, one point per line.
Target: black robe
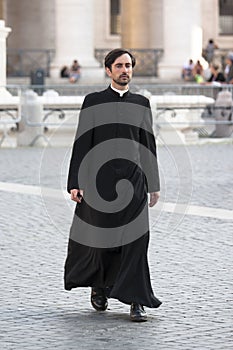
115	258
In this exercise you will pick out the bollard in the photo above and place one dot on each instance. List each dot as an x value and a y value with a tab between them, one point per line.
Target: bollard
223	112
30	131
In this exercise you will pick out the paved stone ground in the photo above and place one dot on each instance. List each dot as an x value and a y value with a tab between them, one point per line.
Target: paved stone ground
190	259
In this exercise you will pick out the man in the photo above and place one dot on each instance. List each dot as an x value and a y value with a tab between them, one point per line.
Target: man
187	71
229	68
209	51
74	73
108	245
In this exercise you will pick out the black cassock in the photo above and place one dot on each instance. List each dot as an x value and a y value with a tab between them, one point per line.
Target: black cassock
108	247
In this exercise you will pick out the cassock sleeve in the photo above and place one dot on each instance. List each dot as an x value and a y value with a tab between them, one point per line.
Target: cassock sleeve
148	155
82	145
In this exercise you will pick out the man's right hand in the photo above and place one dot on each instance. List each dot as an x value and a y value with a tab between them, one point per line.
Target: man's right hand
76	195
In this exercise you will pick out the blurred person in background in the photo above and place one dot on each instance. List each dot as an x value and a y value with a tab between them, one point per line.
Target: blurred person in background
75	72
216	74
198	72
187	71
229	68
209	51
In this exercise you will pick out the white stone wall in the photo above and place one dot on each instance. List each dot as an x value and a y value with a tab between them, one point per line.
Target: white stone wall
182	29
209	20
33	23
102	36
85	25
210	24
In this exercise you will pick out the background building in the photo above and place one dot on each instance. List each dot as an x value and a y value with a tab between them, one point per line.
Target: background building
51	33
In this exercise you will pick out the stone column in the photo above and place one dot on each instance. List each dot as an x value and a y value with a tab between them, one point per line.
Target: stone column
182	33
135	26
155	15
74	31
2	12
32	24
4	31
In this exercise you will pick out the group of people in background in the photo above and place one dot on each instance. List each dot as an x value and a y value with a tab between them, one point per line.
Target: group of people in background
214	74
190	71
73	73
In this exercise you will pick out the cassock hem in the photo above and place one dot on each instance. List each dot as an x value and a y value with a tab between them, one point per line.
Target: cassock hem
155	303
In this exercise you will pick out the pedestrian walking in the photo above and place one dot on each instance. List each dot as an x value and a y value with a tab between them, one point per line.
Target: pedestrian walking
108	245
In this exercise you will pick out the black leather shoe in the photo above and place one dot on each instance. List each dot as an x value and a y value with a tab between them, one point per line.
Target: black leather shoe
99	300
137	313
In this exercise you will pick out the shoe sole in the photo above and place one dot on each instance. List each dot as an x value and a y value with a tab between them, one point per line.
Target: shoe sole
139	319
97	308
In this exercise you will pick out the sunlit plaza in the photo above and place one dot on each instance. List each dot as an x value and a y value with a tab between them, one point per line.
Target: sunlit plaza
190	251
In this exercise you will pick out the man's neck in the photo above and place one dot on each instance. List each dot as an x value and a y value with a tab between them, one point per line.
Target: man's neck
119	87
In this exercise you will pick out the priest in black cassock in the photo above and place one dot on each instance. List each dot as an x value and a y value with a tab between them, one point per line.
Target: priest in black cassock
113	167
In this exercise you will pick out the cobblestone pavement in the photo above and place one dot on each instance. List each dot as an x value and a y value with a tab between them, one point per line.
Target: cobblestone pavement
190	259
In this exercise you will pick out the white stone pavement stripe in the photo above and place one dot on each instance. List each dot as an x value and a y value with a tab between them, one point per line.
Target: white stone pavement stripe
218	213
186	209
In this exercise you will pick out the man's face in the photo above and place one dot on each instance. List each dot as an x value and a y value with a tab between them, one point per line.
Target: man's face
121	71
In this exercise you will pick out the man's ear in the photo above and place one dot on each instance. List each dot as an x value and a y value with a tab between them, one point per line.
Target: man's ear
109	73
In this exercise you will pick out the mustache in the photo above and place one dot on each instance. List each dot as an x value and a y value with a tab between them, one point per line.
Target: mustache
124	75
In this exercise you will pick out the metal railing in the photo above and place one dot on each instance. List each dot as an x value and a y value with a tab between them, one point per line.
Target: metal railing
170	103
152	89
147	60
21	62
10	113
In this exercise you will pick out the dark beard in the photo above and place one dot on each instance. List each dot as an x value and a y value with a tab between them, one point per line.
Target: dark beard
121	83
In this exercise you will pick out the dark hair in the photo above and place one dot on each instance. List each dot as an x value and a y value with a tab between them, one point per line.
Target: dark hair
114	54
215	66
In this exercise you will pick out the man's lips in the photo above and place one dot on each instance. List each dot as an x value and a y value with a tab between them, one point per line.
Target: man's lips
124	76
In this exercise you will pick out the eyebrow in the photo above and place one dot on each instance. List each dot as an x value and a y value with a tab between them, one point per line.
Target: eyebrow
121	64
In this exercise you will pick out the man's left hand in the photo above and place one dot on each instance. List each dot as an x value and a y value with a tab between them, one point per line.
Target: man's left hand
154	197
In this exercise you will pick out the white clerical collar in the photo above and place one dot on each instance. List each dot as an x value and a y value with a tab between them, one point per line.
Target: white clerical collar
120	92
